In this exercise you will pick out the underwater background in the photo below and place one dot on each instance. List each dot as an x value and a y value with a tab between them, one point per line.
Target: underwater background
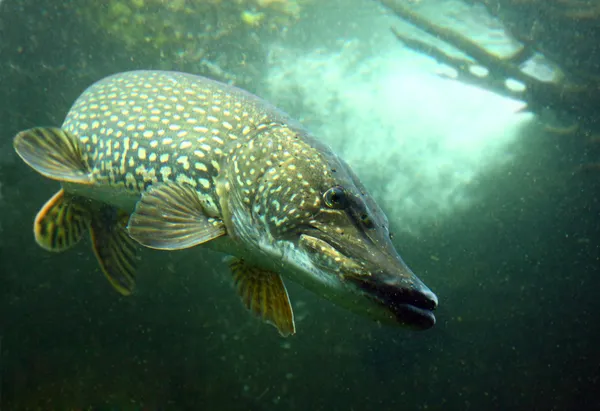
494	202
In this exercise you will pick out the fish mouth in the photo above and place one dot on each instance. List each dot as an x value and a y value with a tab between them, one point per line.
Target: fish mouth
406	300
414	317
409	305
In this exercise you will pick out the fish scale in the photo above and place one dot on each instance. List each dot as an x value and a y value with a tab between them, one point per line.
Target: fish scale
268	174
171	161
138	128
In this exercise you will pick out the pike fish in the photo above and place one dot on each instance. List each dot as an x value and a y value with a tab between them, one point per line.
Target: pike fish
170	160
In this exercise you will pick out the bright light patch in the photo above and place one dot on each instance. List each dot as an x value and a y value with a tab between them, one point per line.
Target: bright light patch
417	141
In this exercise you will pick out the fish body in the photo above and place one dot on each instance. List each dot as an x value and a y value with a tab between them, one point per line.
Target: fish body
142	127
171	160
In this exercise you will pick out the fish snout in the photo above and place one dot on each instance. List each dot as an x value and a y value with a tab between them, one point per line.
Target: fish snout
409	301
421	296
414	306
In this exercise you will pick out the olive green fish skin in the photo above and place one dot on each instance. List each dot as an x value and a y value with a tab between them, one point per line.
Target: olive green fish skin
138	128
270	181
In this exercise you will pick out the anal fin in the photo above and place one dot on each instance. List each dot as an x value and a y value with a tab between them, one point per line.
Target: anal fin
53	153
61	222
173	216
115	250
265	295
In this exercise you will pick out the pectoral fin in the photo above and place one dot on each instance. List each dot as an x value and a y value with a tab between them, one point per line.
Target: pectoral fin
173	216
53	153
115	250
265	295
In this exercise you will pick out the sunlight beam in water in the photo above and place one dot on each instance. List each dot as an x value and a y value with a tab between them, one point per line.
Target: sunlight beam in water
418	140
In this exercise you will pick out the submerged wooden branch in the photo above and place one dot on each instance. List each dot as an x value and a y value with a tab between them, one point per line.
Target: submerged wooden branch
459	41
566	31
578	99
462	66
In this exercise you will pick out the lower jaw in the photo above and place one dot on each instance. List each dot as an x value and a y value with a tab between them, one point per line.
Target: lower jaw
414	317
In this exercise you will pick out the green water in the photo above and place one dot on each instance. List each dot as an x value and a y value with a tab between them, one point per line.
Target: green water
516	273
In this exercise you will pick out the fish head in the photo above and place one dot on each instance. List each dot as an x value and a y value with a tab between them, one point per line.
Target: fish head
349	239
322	225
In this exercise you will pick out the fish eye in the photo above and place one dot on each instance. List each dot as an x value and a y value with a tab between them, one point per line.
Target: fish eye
335	197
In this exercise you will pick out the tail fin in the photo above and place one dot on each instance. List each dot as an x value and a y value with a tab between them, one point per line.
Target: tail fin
115	250
60	224
63	220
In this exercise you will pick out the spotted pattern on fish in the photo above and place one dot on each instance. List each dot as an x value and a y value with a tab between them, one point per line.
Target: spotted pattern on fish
267	174
142	127
236	174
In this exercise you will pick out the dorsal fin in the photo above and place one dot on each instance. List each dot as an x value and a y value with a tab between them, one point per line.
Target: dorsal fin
53	153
